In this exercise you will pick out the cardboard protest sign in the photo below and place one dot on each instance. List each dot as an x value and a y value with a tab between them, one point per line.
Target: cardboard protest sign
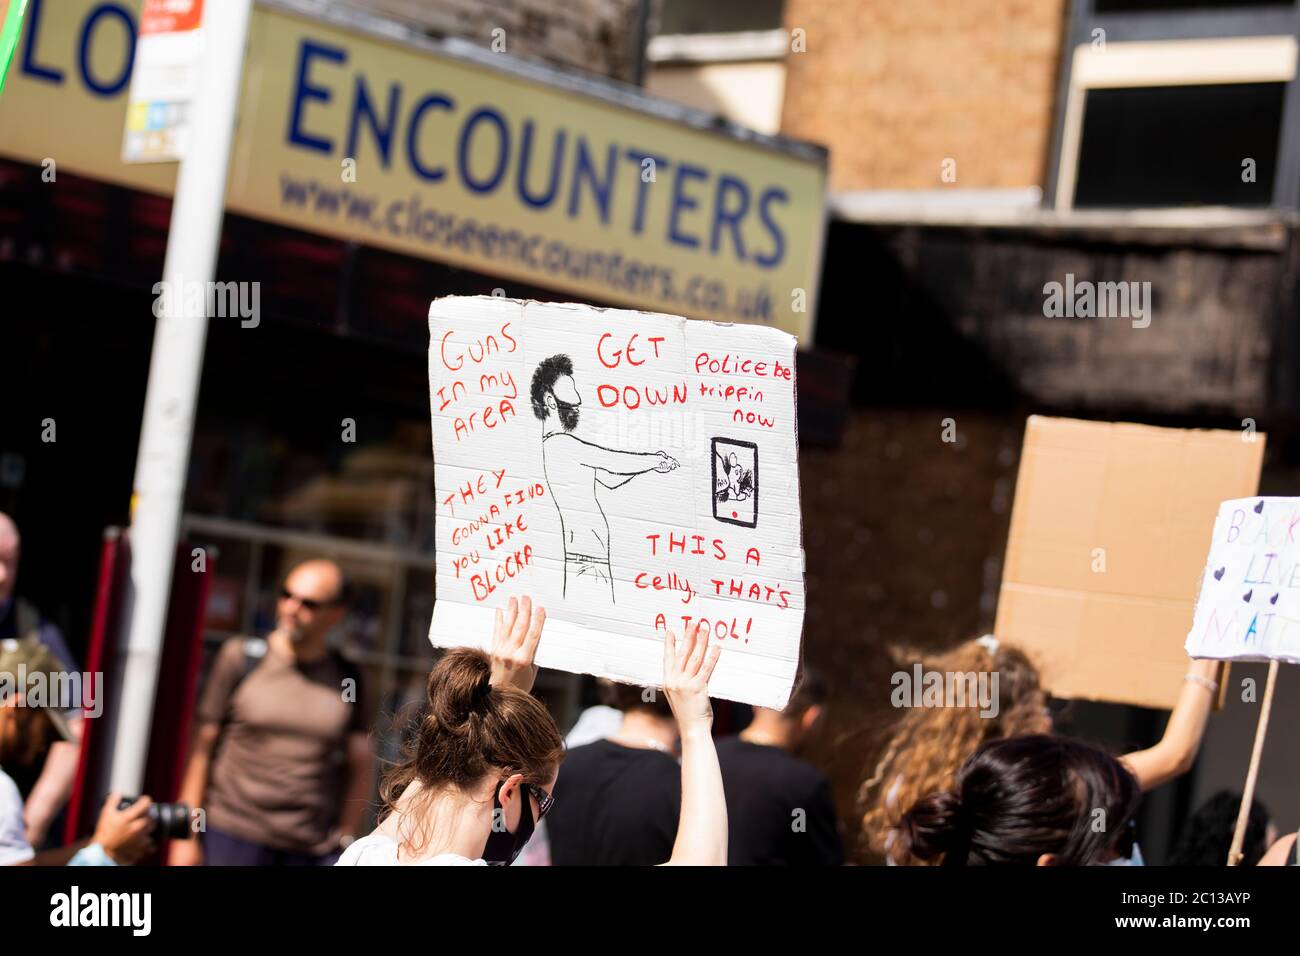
1249	605
1108	530
632	472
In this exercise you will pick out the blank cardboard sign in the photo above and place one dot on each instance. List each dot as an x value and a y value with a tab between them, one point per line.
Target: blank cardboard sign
1109	532
632	472
1249	603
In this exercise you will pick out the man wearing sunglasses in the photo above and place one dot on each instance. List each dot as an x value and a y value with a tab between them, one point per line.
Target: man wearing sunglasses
280	761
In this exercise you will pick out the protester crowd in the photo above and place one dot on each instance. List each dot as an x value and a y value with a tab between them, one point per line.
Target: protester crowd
281	763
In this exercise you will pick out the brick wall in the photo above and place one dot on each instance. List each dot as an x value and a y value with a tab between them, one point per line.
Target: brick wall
904	536
894	87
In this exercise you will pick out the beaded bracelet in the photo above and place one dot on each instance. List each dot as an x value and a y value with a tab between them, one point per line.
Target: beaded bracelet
1210	685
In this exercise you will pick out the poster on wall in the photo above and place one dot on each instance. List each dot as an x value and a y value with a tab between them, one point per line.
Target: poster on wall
634	473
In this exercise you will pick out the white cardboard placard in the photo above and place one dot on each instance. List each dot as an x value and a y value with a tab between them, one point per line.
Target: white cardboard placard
654	480
1249	605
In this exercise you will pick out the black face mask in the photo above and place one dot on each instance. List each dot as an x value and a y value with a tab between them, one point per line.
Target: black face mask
503	847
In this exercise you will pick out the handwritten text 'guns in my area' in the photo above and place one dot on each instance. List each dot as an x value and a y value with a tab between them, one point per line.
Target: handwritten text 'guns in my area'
498	393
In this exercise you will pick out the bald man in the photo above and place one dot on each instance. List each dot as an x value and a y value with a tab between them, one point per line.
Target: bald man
280	760
46	784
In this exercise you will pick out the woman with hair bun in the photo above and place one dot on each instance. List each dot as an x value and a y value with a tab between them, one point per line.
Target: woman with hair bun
480	770
1028	801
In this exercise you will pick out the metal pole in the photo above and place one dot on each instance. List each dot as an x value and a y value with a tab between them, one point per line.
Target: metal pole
174	371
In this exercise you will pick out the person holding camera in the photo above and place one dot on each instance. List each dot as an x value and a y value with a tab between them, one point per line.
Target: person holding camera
124	833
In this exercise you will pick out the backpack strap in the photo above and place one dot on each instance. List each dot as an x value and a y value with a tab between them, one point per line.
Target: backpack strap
254	650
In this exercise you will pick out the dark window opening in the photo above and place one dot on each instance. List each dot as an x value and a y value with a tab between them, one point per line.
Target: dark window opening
1179	145
720	16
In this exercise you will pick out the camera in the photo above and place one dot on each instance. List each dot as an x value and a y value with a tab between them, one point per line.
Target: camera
171	821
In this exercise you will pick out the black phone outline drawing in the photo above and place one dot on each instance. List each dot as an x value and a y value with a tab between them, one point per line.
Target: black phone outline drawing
713	494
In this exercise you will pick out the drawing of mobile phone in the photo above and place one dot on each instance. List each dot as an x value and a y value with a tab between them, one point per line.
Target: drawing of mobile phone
735	482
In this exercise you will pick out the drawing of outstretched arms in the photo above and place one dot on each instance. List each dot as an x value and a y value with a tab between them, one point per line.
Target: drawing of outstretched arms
629	463
616	468
616	479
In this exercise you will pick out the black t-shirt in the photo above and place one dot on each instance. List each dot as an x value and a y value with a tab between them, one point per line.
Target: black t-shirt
765	788
615	806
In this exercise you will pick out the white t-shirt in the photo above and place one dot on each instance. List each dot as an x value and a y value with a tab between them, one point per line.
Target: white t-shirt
379	849
14	847
594	723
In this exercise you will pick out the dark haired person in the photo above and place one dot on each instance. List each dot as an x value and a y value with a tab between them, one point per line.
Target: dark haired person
47	783
1207	836
779	807
620	796
1029	801
27	729
480	773
928	745
573	468
280	760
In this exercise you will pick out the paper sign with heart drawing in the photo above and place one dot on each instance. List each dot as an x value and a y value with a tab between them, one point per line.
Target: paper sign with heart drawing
1249	605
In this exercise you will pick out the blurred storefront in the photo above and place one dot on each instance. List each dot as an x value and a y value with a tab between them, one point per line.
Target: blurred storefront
376	167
